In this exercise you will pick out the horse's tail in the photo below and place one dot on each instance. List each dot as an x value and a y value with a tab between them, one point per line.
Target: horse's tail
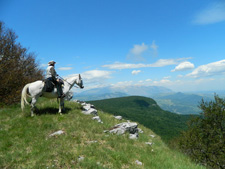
24	96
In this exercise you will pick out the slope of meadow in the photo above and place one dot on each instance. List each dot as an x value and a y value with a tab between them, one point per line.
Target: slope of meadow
25	141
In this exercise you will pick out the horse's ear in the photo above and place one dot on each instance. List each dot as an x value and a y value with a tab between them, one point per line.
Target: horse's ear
79	76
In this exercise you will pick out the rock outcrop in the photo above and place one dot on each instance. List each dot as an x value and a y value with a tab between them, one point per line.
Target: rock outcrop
119	129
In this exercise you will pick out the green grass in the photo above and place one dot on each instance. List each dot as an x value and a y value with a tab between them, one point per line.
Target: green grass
25	141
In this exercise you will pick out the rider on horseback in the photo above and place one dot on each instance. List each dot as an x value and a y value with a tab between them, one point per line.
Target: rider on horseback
51	75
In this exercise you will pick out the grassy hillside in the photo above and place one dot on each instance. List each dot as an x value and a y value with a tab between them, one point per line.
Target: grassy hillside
25	141
145	111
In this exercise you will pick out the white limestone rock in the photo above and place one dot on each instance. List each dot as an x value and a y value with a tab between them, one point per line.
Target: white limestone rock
57	133
118	131
151	135
83	104
123	127
87	107
149	143
91	111
133	136
140	130
90	142
118	117
97	118
80	158
138	162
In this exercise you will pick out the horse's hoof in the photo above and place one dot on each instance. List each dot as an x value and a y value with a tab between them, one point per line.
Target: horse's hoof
60	114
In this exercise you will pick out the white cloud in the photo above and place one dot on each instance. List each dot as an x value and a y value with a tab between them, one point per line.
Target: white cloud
183	66
148	80
164	62
210	69
65	68
95	78
139	49
154	47
135	72
167	77
214	13
159	63
96	75
136	52
139	52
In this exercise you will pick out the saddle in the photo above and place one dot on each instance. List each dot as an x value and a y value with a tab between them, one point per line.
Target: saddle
49	85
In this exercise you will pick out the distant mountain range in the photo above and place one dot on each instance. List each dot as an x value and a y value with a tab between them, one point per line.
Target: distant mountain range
113	92
176	102
181	103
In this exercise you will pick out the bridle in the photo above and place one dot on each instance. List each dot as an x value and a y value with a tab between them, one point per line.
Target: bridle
72	85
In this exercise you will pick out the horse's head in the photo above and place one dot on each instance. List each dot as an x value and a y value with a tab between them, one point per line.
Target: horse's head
69	82
80	82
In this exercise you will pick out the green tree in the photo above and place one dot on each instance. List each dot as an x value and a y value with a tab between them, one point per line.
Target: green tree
204	141
17	67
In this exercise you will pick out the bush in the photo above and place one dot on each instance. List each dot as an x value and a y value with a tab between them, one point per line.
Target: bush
17	67
204	141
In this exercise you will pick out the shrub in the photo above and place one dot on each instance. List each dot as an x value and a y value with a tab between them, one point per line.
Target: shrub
17	67
204	141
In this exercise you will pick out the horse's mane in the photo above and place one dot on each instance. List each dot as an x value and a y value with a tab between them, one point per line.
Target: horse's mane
67	78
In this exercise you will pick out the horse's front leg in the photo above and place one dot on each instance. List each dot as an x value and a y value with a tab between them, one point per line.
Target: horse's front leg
61	106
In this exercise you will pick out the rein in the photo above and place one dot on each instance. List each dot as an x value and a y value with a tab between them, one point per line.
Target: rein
68	82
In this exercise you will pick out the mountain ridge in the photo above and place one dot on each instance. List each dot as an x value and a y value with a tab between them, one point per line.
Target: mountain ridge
147	112
176	102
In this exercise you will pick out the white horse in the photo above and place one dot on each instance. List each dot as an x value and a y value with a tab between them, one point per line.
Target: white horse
36	89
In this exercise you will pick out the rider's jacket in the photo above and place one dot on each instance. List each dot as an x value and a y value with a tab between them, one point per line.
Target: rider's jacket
50	72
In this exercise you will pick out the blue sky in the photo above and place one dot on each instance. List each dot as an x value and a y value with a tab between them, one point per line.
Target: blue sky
176	44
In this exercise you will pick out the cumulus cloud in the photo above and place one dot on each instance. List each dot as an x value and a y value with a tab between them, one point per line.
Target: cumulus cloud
183	66
159	63
214	13
135	72
211	69
96	75
137	51
65	68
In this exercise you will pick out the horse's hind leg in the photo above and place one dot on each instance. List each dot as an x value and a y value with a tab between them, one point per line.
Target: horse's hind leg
33	102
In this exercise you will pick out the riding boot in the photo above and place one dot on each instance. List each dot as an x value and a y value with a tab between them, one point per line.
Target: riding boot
59	91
